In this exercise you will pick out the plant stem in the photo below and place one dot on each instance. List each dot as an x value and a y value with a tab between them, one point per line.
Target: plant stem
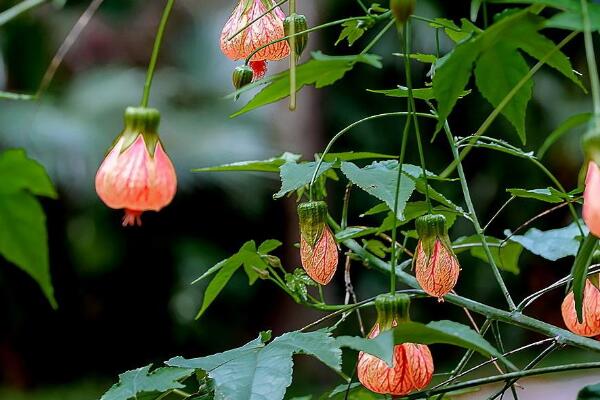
494	114
346	129
316	28
292	44
591	60
411	101
155	50
374	41
18	9
510	375
513	318
473	214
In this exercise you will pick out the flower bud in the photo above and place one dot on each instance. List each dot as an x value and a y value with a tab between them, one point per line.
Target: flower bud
137	175
590	325
265	30
402	9
318	248
436	266
412	367
300	25
242	76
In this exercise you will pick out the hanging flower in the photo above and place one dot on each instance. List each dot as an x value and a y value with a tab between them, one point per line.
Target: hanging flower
259	69
318	248
137	175
412	367
591	194
590	325
263	31
436	266
402	9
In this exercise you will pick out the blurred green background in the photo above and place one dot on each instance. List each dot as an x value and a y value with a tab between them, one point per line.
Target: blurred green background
125	295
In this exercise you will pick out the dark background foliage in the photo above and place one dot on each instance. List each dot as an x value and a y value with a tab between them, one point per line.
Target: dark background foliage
125	296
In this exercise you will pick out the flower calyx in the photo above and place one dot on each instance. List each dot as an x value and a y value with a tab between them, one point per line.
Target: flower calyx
312	216
392	309
141	121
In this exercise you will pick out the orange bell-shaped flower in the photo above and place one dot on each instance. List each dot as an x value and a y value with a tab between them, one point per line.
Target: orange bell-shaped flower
137	175
412	363
265	30
318	248
436	266
590	325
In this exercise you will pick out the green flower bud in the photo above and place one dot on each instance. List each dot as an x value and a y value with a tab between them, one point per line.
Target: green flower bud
402	9
242	76
300	25
391	310
312	217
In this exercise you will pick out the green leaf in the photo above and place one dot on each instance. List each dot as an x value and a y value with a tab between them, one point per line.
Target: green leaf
270	165
247	256
321	71
353	30
355	155
475	6
380	180
18	173
420	57
142	384
298	283
548	195
506	256
553	244
497	72
580	269
446	332
401	91
590	392
294	176
414	210
260	373
573	20
454	32
268	246
23	238
570	123
452	73
354	232
381	346
560	4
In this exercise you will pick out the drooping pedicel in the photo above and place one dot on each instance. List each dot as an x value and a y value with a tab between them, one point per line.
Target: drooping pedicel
137	174
436	266
318	248
590	326
412	363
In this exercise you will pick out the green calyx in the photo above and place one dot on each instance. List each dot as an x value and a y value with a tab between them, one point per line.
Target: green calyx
402	9
431	228
312	216
591	141
300	25
242	76
141	121
392	309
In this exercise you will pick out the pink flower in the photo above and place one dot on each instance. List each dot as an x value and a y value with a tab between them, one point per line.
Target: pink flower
137	175
259	69
591	199
590	326
320	261
262	32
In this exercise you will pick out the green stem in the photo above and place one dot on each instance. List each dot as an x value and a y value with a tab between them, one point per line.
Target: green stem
16	10
319	27
394	252
155	50
292	43
346	129
510	375
413	107
249	24
374	41
475	221
16	96
591	60
494	114
431	21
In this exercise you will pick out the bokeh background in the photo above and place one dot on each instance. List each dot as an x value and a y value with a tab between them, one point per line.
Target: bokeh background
125	295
